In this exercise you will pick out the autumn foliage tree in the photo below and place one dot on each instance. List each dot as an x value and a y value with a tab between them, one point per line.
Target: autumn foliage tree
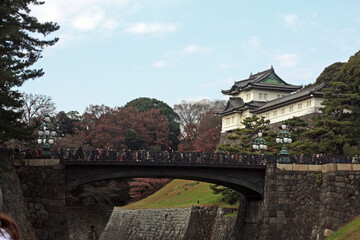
200	126
125	128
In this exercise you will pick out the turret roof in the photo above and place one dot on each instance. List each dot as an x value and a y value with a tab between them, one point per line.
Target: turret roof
267	79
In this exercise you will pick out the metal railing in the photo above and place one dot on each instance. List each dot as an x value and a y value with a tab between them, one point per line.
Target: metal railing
144	156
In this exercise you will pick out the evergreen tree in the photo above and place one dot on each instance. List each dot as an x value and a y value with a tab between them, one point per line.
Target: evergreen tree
339	123
19	50
245	136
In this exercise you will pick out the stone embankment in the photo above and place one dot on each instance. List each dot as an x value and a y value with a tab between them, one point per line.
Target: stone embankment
309	201
43	186
14	204
170	223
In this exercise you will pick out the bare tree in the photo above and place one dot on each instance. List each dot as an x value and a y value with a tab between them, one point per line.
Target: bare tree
35	106
191	112
197	120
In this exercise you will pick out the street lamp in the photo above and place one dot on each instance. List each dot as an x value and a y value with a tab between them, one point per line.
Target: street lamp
46	136
284	137
259	143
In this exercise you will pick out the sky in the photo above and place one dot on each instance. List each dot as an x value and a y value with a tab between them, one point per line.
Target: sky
113	51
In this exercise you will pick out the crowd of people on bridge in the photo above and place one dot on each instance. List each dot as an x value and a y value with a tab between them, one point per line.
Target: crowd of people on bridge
109	154
126	155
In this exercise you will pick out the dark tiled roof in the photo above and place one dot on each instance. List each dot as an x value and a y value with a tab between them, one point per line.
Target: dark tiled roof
315	90
256	81
236	103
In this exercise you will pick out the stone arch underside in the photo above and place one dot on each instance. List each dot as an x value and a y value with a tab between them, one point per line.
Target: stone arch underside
247	181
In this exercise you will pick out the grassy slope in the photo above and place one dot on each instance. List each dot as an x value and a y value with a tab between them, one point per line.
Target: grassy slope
180	193
351	231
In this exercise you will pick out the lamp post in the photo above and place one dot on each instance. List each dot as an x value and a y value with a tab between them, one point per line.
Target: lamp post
259	143
46	136
284	137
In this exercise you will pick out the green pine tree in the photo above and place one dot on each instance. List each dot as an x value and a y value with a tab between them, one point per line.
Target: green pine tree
339	123
19	50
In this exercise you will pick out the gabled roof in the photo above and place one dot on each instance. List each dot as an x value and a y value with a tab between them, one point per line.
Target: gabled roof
237	104
304	93
267	79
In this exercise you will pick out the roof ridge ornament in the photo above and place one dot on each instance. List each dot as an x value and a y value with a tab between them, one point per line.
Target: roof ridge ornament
272	67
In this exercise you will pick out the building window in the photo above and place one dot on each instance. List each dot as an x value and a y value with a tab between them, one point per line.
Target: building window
268	115
283	111
275	113
291	108
260	96
278	96
283	95
227	121
265	96
248	96
299	106
308	103
232	120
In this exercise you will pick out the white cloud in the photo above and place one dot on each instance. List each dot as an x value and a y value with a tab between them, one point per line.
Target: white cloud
194	48
84	15
254	42
110	24
287	60
291	20
88	21
159	64
150	28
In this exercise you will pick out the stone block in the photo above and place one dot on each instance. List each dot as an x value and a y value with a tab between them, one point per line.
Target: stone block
344	167
330	167
315	168
281	214
340	184
285	167
301	167
51	162
35	162
339	179
355	167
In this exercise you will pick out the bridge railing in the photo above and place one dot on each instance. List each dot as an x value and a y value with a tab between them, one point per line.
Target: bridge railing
177	157
164	157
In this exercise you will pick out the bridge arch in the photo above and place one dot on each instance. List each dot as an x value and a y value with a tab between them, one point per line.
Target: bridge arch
248	180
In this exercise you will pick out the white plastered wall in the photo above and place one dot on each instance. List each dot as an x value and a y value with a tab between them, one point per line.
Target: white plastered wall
309	106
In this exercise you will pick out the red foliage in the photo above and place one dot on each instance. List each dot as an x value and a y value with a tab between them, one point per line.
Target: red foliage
105	127
202	137
141	188
208	141
188	138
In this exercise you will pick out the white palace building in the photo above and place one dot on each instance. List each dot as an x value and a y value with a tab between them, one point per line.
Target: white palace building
266	95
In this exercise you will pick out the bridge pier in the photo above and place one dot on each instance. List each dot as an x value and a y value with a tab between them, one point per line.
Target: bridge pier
43	185
249	219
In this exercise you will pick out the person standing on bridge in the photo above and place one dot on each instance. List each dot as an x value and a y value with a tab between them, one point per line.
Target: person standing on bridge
9	230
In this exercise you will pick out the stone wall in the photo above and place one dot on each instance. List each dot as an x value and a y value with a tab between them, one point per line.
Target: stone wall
84	221
224	224
14	205
43	185
170	223
309	204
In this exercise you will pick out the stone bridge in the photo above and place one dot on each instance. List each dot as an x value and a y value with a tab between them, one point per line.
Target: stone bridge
245	178
282	201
